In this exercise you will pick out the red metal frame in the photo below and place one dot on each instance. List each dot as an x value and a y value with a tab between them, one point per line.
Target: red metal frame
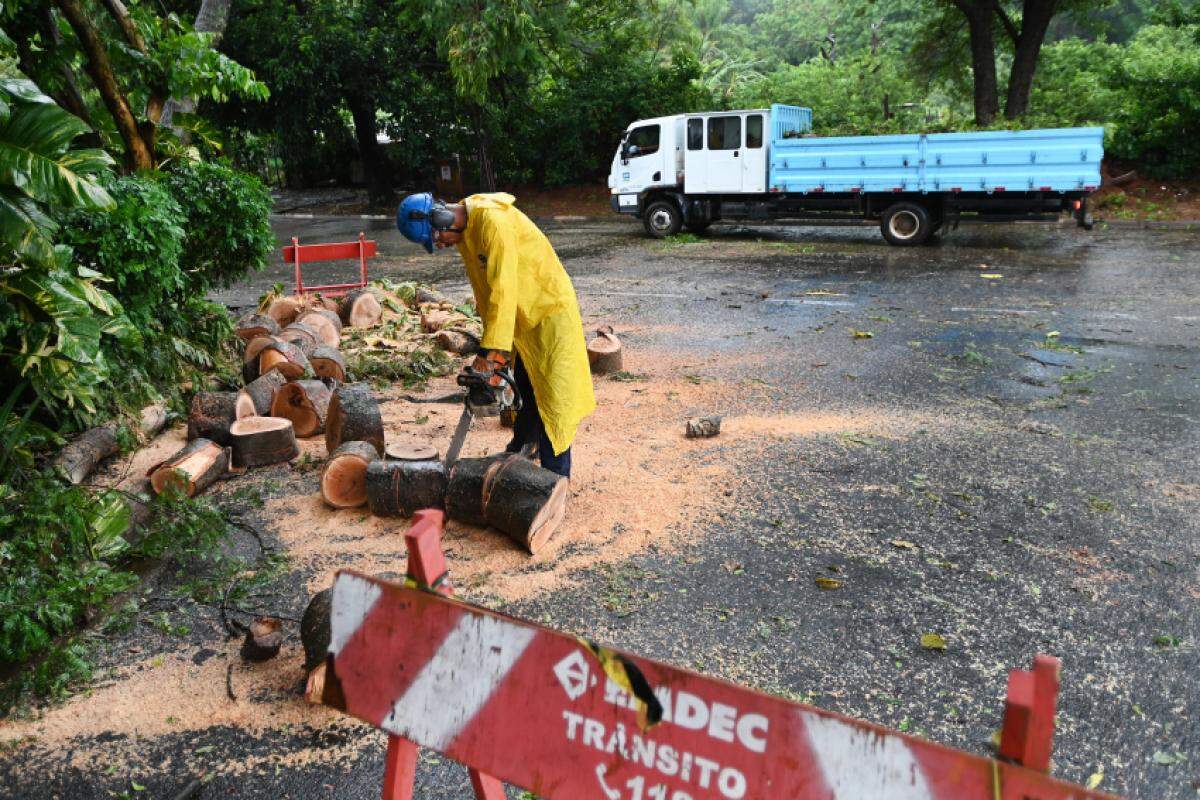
297	254
570	720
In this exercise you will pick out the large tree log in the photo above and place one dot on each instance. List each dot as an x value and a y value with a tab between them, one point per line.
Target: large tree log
604	352
250	355
255	399
77	460
284	310
343	481
455	340
285	357
258	441
305	403
210	416
152	419
328	362
315	629
525	502
353	416
192	469
303	336
360	309
399	488
254	324
464	489
327	324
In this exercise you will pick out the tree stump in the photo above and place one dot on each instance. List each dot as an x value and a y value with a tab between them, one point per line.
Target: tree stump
263	639
399	488
285	357
328	362
258	441
284	310
255	399
525	502
254	324
303	336
326	323
344	479
464	489
353	416
77	460
360	309
604	352
315	629
192	469
455	340
305	403
210	415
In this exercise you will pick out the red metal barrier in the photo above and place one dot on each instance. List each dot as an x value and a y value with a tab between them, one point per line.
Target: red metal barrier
567	719
298	254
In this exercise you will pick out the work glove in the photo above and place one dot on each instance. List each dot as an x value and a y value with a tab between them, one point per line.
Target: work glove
491	363
484	377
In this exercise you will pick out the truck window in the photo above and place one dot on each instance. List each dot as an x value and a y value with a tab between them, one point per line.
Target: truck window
695	134
645	139
724	133
754	130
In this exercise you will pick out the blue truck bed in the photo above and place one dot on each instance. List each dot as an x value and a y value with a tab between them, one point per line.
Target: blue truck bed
1052	160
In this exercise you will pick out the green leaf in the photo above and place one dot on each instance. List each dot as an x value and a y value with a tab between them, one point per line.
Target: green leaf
35	158
108	521
1166	759
25	228
933	641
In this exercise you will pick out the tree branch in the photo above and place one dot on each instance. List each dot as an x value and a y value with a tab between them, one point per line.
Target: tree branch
120	14
1007	22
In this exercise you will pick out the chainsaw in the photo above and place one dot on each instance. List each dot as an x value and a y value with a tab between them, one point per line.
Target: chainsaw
481	395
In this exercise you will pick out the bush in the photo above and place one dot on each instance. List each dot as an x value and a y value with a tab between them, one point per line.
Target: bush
227	232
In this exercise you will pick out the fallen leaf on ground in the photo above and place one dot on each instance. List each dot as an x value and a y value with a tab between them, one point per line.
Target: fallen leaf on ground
932	641
903	544
857	334
829	583
991	275
1094	779
1165	759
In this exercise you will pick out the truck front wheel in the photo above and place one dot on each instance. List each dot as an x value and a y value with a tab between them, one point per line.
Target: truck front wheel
906	224
662	218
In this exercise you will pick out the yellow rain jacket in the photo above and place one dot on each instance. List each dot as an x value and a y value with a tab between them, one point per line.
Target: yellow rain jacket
527	303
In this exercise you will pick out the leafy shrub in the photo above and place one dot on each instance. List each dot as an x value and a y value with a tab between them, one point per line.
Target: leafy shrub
227	232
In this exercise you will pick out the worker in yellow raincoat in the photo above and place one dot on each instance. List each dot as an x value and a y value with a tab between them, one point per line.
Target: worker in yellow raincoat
529	310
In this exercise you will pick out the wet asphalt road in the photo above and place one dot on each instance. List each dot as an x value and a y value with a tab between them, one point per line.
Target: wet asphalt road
1049	503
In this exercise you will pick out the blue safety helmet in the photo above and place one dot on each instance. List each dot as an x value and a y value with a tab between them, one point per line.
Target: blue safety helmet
419	215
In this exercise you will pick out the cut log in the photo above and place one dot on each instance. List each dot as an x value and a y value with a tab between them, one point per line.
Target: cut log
255	399
399	488
327	324
703	428
343	481
255	324
305	403
263	639
353	416
464	489
258	441
303	336
285	357
315	629
427	294
192	469
327	362
250	355
525	502
284	310
210	415
360	309
77	460
411	451
455	340
435	319
604	352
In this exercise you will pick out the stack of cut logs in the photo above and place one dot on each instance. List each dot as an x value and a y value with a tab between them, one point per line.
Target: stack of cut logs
292	368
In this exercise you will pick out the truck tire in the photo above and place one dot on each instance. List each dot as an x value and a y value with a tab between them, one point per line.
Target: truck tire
906	224
662	219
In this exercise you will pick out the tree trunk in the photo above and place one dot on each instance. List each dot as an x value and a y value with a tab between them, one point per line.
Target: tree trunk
211	18
210	416
255	400
70	98
138	155
77	460
1034	22
353	417
487	174
525	502
983	57
258	441
192	469
401	488
305	403
344	479
375	165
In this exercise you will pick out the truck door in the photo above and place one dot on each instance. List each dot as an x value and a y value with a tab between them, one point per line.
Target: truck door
695	167
641	161
754	157
723	153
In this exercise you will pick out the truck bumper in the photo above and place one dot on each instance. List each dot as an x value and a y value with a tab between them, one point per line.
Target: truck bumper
626	204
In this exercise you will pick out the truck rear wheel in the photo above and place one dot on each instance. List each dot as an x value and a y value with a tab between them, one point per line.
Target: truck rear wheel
906	224
662	219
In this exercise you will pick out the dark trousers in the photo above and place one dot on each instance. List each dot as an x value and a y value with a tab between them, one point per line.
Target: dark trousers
529	428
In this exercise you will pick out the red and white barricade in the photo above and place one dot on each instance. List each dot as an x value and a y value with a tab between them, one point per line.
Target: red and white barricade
566	719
